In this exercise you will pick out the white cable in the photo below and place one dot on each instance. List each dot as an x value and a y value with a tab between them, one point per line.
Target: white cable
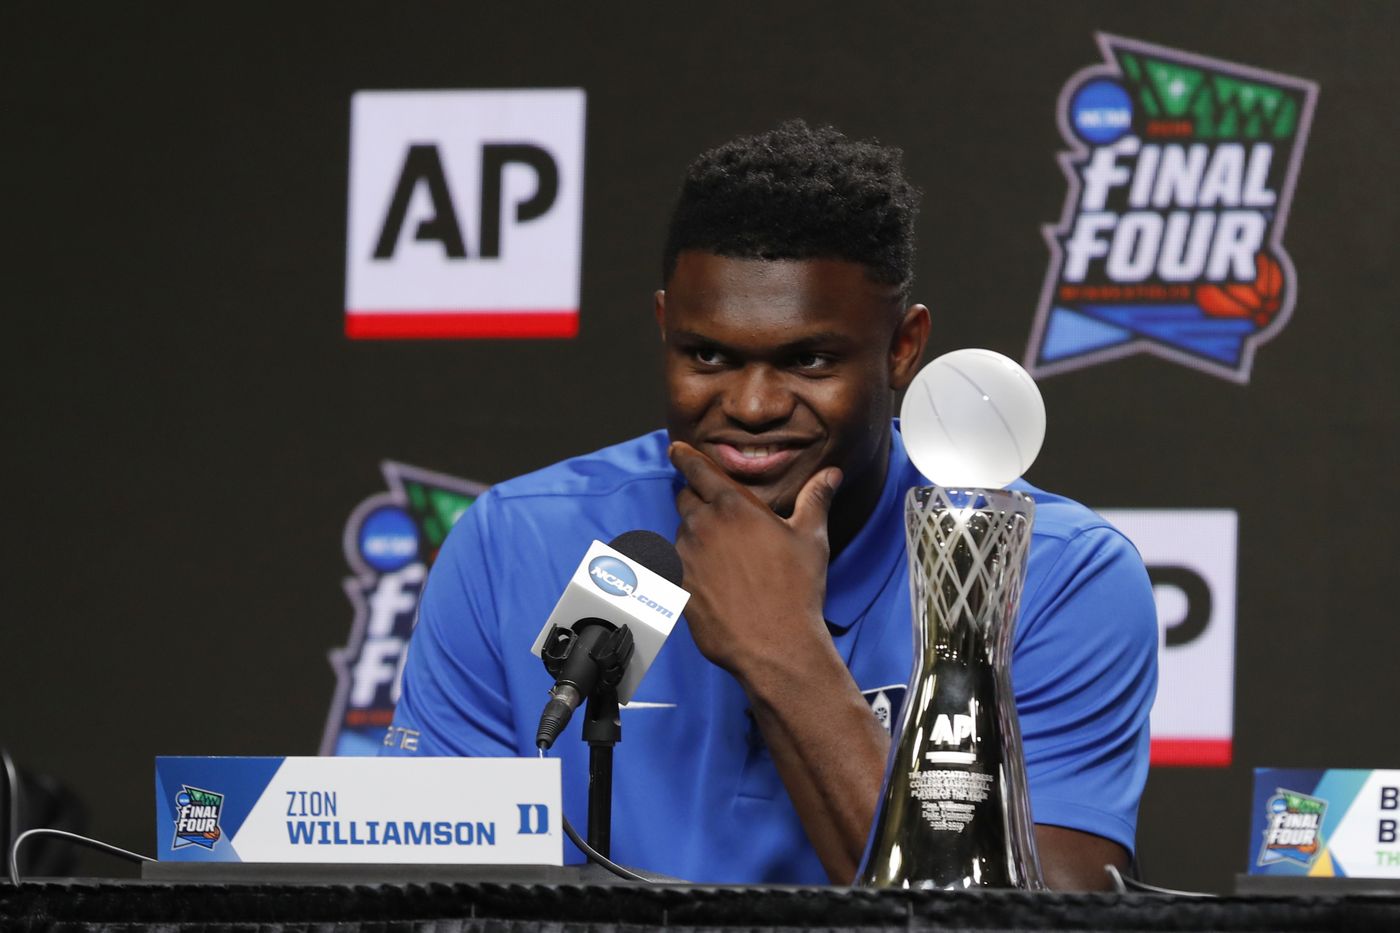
1129	885
594	854
73	837
11	798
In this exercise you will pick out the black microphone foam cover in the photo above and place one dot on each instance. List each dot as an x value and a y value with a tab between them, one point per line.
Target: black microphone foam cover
652	551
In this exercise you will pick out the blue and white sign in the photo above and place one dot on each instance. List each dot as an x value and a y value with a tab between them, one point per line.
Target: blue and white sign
445	811
1337	823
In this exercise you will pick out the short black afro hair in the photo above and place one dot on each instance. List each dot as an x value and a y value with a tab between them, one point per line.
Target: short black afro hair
799	193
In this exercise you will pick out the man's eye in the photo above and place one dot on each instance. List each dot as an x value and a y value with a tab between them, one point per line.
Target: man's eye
708	356
811	361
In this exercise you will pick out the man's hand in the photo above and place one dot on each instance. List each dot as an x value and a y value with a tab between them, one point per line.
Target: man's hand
757	581
757	584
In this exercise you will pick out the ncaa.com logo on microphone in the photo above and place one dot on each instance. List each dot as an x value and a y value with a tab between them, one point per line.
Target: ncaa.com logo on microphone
616	578
612	576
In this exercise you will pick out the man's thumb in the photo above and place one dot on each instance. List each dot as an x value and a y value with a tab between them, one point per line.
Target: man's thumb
814	501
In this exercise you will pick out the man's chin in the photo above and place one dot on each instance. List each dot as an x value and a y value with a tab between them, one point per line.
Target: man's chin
778	492
781	501
783	509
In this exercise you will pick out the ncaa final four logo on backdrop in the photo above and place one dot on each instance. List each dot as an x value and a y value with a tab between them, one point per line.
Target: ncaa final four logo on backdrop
1181	170
390	541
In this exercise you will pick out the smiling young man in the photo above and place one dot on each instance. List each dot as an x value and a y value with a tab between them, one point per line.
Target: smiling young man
755	748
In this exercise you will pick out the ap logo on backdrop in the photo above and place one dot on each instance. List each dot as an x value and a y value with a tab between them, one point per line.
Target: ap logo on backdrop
1181	170
465	214
390	541
1191	559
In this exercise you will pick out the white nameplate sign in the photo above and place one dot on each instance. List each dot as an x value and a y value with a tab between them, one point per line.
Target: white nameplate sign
445	811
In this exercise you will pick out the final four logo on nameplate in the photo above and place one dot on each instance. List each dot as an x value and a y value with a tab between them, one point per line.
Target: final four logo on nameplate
390	541
1181	170
1294	828
197	814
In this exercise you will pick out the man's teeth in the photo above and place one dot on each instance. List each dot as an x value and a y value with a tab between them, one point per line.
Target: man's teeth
753	453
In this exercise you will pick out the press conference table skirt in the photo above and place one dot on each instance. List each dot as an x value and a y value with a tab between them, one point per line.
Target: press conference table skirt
524	908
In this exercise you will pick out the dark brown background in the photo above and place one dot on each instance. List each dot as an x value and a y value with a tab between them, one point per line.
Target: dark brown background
188	430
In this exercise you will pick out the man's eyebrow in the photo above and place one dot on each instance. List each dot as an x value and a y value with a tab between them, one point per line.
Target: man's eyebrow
832	340
818	341
690	336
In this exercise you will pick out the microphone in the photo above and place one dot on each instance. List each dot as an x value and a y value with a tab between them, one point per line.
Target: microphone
609	624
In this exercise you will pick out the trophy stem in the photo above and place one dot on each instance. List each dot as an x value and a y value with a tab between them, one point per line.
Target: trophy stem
955	811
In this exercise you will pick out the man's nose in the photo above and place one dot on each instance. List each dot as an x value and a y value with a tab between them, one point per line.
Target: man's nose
758	399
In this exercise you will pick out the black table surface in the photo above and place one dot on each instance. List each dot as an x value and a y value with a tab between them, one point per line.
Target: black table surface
514	907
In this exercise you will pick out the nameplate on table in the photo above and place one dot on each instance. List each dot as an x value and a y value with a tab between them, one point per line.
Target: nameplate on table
1335	823
444	811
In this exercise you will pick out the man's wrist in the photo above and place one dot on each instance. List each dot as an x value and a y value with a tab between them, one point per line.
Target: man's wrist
778	672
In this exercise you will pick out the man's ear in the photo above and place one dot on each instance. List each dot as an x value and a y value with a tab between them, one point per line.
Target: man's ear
907	346
659	309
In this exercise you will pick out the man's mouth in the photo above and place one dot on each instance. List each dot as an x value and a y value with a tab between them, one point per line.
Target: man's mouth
754	461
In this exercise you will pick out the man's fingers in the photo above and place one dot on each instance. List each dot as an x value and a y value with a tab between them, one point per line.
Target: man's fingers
687	502
700	472
814	501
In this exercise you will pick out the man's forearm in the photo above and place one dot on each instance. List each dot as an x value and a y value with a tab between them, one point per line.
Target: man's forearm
827	745
830	752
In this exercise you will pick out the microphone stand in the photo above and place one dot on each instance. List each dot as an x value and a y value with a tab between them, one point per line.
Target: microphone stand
602	729
588	661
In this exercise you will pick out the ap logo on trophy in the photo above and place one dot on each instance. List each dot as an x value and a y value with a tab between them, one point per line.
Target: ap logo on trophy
1181	170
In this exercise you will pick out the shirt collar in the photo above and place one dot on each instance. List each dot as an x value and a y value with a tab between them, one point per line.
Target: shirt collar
863	568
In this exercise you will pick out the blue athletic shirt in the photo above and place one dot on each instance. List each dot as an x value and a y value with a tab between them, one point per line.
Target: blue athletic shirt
696	794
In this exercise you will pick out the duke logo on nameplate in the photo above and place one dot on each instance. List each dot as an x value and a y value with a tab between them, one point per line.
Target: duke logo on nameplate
445	811
465	214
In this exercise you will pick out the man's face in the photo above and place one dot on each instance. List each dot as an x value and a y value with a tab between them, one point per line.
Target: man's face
775	369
